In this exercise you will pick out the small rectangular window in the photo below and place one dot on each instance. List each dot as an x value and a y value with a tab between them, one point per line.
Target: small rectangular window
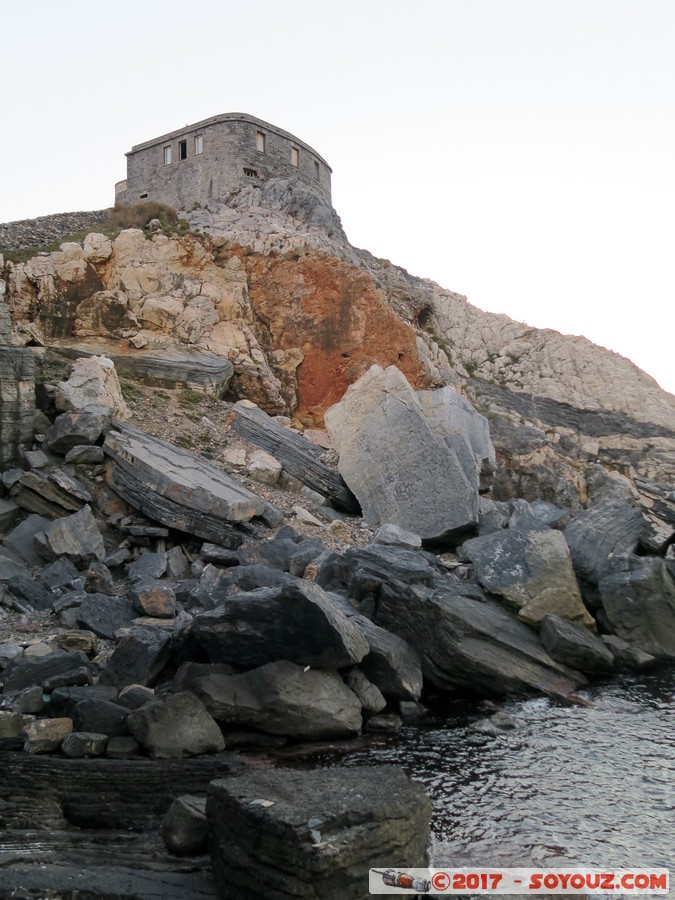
317	170
168	156
182	149
199	144
260	141
295	156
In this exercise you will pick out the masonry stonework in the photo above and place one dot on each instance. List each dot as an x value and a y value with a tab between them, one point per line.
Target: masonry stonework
206	161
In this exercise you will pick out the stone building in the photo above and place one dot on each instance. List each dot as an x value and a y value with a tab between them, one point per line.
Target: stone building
206	161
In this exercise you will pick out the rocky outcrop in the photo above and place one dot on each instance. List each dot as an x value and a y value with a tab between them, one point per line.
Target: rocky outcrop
468	642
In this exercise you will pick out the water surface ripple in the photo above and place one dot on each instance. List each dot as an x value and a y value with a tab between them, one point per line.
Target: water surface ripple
570	786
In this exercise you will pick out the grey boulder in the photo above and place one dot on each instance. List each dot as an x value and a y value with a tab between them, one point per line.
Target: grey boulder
283	698
175	727
468	642
296	621
391	458
574	645
638	599
530	567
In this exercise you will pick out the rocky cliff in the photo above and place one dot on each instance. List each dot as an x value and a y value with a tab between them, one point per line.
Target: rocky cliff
269	282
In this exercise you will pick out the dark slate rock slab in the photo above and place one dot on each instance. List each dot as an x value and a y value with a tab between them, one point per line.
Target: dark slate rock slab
20	539
365	570
64	699
175	727
298	456
22	673
638	598
104	615
30	592
140	655
178	488
185	830
601	532
72	429
148	567
77	537
574	645
468	642
391	664
274	833
101	716
296	621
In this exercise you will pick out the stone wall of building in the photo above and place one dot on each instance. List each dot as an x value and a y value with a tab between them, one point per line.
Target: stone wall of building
205	162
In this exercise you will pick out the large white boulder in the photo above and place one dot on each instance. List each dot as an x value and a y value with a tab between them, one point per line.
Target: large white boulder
93	380
400	470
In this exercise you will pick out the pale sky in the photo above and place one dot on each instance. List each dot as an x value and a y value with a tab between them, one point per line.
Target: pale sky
521	152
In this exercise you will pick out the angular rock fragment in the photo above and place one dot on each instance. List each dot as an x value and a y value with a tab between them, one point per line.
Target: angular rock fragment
175	727
46	735
140	655
573	645
185	830
638	598
153	598
370	697
77	537
297	621
148	567
391	664
398	468
100	717
72	429
81	744
601	532
298	456
104	615
283	698
22	673
92	380
453	419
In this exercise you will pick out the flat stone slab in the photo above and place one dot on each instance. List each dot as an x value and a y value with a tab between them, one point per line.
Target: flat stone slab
170	367
287	833
176	487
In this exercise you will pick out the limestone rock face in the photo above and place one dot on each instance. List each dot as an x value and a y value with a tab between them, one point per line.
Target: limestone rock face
93	380
337	319
393	461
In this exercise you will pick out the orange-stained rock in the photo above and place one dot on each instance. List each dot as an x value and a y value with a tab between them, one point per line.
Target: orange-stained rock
337	317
